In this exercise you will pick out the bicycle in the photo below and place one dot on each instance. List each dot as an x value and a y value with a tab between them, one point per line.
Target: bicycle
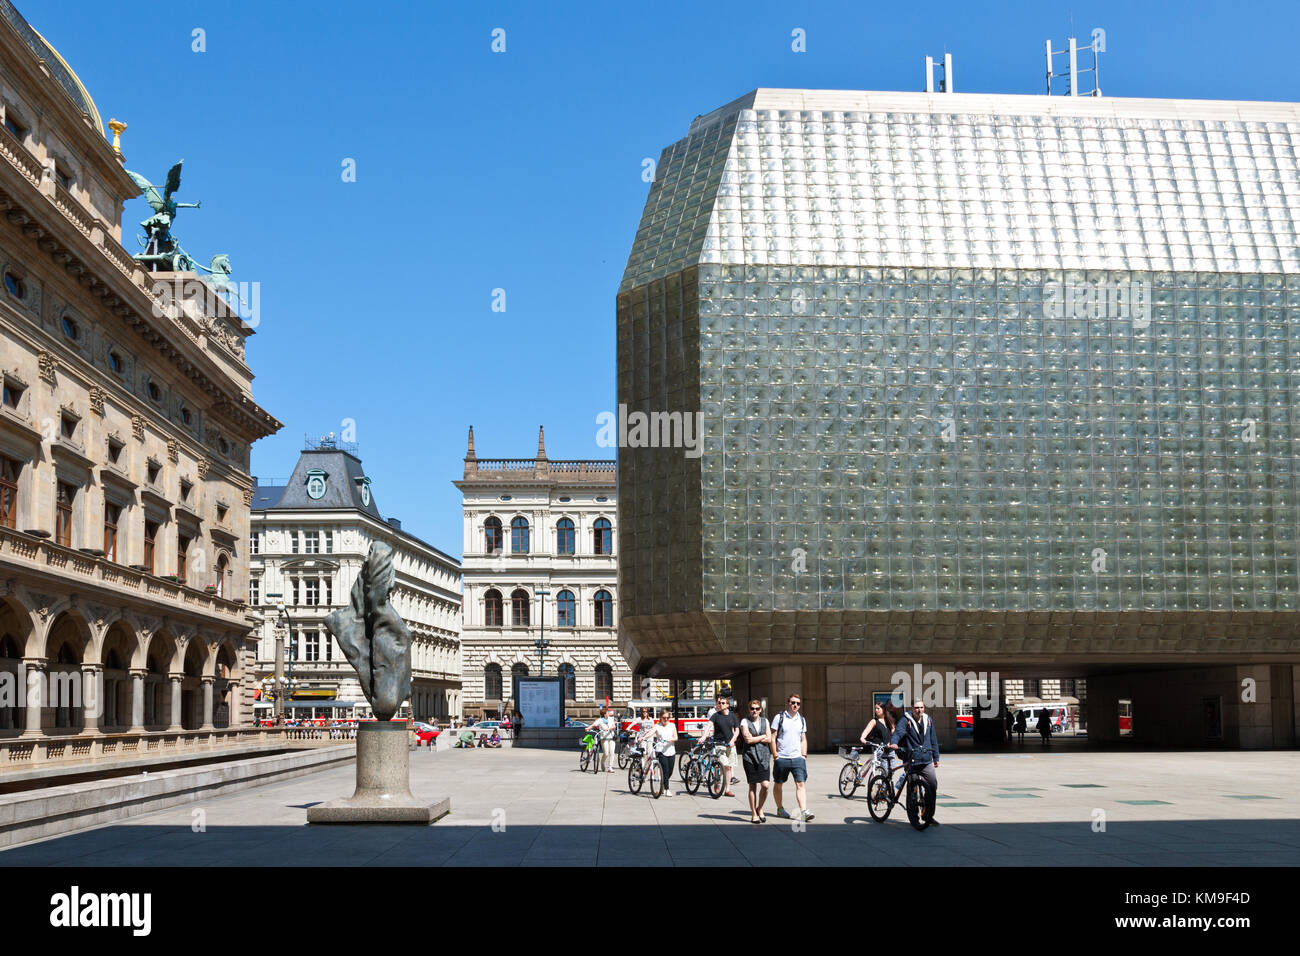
589	755
643	764
622	747
696	751
882	794
707	769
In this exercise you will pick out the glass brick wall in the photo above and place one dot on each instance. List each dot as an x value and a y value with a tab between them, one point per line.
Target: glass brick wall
947	439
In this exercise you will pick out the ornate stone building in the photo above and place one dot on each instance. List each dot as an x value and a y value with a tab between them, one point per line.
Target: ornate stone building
309	537
533	524
124	442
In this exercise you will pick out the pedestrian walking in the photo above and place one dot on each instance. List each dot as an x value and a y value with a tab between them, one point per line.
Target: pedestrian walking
604	728
790	747
1022	724
518	724
1045	726
1010	721
726	727
755	756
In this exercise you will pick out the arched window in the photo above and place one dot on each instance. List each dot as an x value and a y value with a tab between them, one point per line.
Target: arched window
604	605
570	677
492	682
564	610
565	539
519	535
604	682
519	608
222	565
516	672
492	535
492	608
602	537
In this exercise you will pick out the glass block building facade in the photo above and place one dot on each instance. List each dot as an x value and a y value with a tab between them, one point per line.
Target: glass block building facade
982	379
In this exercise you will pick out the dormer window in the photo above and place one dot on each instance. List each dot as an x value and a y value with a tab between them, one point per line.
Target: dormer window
71	329
15	286
187	416
154	392
115	362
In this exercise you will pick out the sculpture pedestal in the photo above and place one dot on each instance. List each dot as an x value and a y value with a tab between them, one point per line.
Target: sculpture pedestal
383	782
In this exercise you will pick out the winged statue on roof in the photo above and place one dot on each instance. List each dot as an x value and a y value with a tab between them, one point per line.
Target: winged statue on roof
162	253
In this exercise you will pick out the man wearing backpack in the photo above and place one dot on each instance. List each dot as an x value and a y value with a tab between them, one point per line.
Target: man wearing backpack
916	732
755	742
790	747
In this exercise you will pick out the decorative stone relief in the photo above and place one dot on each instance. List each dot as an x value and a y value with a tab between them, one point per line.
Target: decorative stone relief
173	450
202	467
248	497
97	400
48	365
137	427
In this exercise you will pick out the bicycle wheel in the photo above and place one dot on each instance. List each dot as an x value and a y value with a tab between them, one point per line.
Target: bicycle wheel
584	759
848	780
622	757
717	785
693	777
635	776
683	765
879	801
656	780
917	802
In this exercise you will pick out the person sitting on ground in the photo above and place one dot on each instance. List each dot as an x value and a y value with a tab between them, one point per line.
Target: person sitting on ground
466	740
494	740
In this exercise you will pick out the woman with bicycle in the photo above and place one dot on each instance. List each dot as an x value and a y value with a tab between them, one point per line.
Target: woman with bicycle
665	744
604	728
879	730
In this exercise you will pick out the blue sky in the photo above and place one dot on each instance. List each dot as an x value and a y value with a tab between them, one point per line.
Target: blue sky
519	171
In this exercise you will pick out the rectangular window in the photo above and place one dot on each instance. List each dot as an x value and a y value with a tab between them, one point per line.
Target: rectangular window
67	426
329	646
150	536
9	471
182	554
13	393
66	496
255	543
254	591
327	589
114	451
293	592
312	648
293	542
329	542
311	592
111	515
310	542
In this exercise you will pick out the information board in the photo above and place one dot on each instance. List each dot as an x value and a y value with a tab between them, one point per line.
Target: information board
541	701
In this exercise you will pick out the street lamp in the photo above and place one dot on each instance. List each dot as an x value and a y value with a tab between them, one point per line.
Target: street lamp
541	643
281	683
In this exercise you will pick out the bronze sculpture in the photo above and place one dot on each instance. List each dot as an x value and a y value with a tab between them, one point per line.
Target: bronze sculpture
373	635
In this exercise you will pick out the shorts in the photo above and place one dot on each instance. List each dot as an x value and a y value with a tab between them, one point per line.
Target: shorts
785	766
756	771
729	758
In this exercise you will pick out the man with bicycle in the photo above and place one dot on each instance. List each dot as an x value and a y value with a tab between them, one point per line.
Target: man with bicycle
916	733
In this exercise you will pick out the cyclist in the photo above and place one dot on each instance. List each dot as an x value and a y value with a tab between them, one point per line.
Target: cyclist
916	731
726	728
879	730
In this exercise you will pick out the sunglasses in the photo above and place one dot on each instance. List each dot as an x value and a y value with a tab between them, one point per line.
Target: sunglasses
755	708
796	703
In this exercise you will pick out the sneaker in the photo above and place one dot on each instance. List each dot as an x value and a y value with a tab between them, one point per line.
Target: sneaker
668	793
806	815
783	813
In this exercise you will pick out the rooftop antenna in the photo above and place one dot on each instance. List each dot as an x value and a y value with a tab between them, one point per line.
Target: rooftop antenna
1072	71
945	84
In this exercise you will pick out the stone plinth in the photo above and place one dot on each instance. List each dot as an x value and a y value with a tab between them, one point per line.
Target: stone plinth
383	792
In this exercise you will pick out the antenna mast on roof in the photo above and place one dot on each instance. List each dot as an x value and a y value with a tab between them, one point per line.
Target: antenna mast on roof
945	84
1072	71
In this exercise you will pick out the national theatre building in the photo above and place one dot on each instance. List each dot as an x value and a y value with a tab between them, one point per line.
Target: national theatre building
987	383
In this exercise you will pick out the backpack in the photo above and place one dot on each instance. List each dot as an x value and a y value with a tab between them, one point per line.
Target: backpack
776	729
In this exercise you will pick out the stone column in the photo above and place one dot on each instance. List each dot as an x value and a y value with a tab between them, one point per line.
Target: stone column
207	702
92	697
33	691
137	699
176	701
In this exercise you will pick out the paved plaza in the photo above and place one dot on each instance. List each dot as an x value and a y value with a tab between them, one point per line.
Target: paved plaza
1022	807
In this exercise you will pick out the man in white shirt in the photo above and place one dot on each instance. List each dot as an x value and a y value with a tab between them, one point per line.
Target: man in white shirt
790	747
